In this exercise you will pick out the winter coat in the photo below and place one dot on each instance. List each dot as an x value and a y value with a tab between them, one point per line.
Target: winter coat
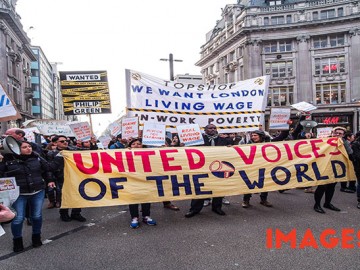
29	171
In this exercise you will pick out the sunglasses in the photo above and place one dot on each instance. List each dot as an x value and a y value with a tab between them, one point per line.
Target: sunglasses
63	141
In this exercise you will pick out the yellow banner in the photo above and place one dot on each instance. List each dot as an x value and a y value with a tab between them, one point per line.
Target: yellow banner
121	177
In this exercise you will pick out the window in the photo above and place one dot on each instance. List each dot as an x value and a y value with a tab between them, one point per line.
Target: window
266	20
315	15
320	42
279	69
285	46
270	47
277	20
288	19
232	56
278	46
332	93
324	66
337	40
327	14
281	96
340	12
274	2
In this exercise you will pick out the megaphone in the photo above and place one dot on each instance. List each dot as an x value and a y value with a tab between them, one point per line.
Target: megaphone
9	145
308	125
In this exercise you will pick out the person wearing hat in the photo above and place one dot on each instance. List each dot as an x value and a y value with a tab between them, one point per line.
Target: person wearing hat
259	136
329	189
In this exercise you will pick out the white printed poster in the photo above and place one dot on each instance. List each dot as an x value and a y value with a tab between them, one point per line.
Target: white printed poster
153	134
190	134
279	118
324	132
81	130
130	128
304	106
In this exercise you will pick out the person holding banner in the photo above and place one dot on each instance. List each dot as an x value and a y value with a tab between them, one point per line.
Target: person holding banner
29	169
329	189
56	163
259	136
145	207
211	138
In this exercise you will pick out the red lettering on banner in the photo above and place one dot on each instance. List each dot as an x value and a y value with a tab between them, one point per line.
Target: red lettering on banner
145	159
297	151
333	142
165	160
80	164
247	160
315	149
191	160
265	156
130	161
288	151
107	160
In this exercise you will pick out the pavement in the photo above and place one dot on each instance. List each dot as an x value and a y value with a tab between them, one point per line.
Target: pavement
206	241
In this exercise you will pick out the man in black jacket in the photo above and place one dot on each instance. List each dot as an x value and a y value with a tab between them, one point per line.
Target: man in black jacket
56	163
211	138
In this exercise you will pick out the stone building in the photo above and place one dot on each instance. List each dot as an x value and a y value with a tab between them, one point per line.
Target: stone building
15	62
310	50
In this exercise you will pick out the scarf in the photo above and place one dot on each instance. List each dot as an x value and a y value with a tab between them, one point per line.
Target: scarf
212	139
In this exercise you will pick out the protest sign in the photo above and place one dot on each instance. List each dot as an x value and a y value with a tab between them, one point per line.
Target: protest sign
114	128
85	92
324	132
153	134
279	118
81	130
130	128
190	134
304	106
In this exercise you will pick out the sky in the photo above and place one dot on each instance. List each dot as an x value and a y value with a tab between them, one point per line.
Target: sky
115	35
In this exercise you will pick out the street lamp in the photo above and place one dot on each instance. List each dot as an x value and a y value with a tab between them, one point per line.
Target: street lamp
171	64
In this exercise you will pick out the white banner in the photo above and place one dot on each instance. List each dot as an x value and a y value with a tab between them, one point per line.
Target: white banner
234	106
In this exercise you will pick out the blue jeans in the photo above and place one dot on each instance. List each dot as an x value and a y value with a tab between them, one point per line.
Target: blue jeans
35	202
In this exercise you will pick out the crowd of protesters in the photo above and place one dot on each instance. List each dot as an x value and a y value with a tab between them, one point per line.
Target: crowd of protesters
39	172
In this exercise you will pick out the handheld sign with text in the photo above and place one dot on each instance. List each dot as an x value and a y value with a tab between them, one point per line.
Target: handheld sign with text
81	130
279	118
304	106
115	128
130	127
154	134
190	134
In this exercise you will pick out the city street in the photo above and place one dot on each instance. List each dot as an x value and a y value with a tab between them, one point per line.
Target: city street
206	241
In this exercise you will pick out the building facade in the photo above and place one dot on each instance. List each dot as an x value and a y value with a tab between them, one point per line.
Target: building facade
15	63
310	50
43	105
